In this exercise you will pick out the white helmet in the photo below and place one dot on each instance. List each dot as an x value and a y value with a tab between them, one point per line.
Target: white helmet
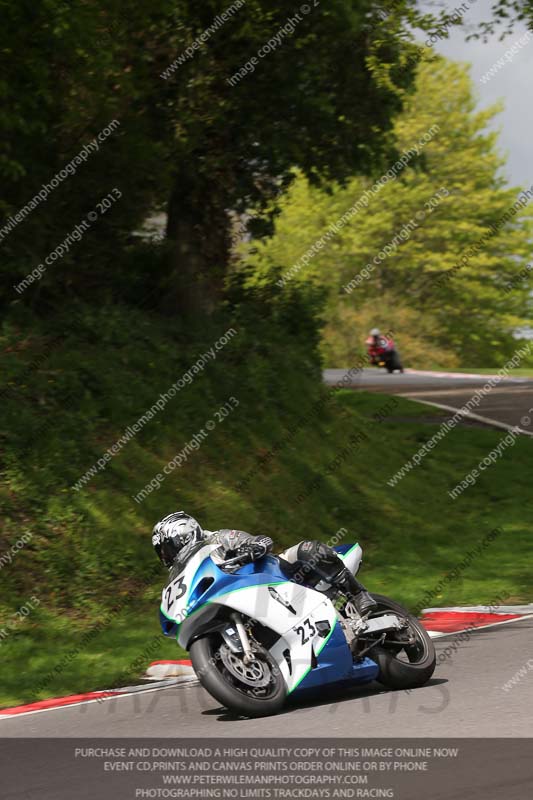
375	332
173	534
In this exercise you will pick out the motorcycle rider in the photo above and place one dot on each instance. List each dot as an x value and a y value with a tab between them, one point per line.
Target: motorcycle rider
377	339
381	348
178	536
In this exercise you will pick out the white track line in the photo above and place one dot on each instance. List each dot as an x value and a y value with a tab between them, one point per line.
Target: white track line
487	420
466	375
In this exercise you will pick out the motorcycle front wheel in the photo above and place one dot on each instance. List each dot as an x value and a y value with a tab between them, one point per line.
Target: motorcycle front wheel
406	659
256	689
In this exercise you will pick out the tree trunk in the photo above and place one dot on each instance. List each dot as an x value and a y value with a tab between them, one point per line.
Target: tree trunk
198	230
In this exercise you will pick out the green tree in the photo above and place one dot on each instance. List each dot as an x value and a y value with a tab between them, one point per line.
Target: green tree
68	70
451	235
190	140
322	101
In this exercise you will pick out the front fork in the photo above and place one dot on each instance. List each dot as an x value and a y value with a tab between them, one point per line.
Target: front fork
243	636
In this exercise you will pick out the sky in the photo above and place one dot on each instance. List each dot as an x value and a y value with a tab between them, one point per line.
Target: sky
513	83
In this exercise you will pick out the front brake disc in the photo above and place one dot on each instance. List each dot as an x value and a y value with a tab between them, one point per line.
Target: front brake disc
255	674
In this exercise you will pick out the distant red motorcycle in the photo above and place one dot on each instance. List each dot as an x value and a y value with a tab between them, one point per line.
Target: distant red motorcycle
382	351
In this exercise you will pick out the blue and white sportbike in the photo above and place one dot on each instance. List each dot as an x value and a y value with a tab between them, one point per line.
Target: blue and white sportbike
255	636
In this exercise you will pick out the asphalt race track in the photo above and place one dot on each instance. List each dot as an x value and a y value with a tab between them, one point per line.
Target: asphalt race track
509	403
465	698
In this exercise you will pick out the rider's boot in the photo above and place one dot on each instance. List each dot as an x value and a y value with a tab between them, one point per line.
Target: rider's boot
356	592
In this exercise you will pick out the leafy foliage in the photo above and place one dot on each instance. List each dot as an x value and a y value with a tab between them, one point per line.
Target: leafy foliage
430	285
322	99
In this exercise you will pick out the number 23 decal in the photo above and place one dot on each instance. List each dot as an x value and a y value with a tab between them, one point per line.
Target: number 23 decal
306	634
181	589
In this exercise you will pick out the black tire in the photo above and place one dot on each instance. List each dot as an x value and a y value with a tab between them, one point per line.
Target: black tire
394	362
222	686
394	672
397	361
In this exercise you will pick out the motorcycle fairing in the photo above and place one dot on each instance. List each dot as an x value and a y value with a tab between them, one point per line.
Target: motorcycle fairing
312	649
201	582
351	554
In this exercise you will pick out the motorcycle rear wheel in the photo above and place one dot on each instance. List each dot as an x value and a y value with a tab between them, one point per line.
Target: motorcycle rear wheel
393	362
222	682
408	666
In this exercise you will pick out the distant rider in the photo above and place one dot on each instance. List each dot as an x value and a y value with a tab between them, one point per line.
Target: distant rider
179	536
382	351
376	341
